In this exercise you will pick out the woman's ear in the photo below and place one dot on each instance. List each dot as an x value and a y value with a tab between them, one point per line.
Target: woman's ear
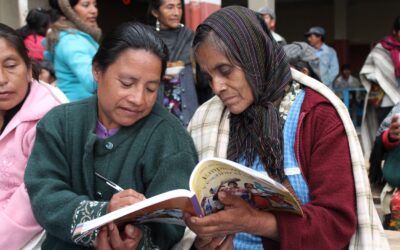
155	13
305	71
95	72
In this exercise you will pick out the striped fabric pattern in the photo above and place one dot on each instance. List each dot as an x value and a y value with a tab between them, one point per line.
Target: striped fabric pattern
290	163
266	66
210	129
245	241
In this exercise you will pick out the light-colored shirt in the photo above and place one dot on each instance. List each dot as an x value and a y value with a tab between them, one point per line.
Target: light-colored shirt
328	64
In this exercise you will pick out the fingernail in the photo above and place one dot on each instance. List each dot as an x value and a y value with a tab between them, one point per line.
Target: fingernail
111	226
193	220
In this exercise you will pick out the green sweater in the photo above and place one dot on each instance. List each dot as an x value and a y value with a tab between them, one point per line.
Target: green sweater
152	156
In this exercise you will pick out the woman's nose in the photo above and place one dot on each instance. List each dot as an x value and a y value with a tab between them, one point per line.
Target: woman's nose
137	97
176	11
93	9
3	78
218	86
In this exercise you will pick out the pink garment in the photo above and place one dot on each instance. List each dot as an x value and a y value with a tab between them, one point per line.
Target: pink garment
17	223
35	47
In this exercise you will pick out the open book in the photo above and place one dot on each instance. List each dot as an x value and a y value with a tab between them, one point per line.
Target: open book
210	176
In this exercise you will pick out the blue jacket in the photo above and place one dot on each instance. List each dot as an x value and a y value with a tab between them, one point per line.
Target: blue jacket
72	60
328	64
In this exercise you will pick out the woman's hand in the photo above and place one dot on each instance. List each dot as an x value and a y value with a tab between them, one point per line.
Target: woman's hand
123	199
109	238
238	216
394	129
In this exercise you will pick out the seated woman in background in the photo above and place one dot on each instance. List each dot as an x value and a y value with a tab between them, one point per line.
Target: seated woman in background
71	45
121	134
23	102
283	123
34	32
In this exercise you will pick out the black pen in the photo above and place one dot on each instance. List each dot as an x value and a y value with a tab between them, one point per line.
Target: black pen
110	183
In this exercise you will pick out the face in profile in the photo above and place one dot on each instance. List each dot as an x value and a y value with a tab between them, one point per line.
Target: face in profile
269	21
228	81
87	12
169	14
14	76
127	89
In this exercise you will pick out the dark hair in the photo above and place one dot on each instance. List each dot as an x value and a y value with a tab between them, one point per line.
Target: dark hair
15	40
153	5
54	15
396	24
37	22
46	65
54	5
130	35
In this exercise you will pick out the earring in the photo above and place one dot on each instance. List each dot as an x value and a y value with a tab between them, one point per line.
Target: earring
182	25
157	25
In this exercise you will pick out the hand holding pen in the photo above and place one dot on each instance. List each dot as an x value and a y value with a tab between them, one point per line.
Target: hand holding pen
123	198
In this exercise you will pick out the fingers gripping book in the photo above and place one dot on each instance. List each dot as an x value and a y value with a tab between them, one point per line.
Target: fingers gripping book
210	176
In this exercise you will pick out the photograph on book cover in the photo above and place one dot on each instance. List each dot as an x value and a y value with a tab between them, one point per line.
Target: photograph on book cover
217	176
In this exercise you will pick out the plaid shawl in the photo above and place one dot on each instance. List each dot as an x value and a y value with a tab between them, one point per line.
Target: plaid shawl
210	131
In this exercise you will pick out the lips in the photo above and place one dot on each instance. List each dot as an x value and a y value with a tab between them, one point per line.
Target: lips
228	100
5	94
129	111
92	19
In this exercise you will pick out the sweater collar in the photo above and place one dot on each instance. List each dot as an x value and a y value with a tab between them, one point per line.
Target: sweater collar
37	103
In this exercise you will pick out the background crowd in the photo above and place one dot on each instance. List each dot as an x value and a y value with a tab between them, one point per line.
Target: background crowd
239	88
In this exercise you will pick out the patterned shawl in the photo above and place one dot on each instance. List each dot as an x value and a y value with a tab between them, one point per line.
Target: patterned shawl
209	129
257	130
390	43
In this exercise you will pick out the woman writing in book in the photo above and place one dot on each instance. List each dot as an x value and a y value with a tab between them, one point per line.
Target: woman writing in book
120	135
279	121
23	102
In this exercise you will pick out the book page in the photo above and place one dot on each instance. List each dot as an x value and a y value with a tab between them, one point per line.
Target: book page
165	208
258	189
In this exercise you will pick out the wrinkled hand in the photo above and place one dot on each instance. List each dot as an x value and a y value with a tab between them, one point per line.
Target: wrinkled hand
123	199
394	129
110	238
218	243
238	216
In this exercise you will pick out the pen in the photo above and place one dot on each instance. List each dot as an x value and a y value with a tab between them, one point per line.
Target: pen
109	183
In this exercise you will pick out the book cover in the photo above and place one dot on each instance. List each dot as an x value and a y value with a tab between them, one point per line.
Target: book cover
215	174
209	177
